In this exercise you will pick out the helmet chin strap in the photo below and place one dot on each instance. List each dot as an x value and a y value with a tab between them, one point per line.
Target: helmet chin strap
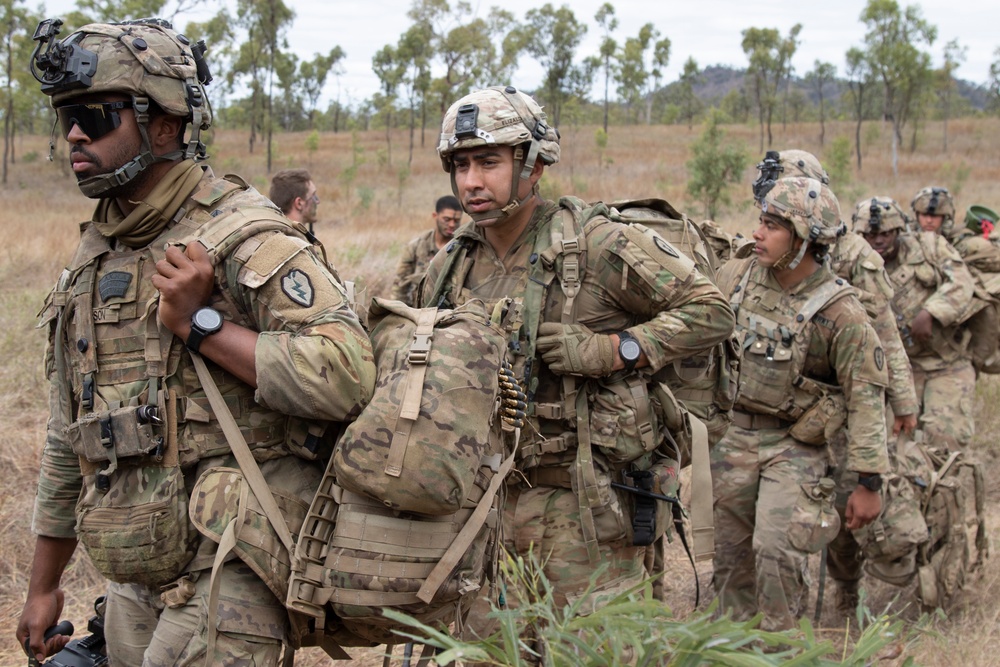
96	186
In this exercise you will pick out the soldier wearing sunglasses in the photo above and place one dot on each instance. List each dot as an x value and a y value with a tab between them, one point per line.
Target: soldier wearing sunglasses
185	287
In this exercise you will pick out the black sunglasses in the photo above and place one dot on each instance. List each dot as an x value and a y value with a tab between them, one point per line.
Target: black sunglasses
94	118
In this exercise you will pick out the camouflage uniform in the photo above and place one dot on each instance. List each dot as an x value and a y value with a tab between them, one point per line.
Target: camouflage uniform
121	480
412	267
773	503
672	310
853	259
928	274
584	432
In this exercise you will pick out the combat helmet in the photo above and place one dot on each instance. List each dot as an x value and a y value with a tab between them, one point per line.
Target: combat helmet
787	163
145	59
812	210
878	214
936	201
499	116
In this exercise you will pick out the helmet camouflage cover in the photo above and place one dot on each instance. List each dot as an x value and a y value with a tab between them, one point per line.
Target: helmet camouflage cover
145	58
810	207
934	201
787	163
878	214
498	116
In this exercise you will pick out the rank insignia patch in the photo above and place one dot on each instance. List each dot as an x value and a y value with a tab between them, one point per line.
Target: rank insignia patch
114	285
296	285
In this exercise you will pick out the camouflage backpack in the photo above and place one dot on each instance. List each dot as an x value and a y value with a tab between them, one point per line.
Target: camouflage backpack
932	527
407	516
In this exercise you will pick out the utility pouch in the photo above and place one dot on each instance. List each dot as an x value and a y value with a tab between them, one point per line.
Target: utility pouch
128	431
621	421
820	423
814	522
145	542
673	420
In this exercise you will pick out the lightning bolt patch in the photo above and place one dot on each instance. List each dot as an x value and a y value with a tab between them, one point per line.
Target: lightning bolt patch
296	285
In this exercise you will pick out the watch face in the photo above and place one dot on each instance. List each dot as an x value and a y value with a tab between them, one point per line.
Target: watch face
207	319
630	350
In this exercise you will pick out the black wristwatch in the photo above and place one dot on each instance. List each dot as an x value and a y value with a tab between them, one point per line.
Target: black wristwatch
872	482
205	322
628	349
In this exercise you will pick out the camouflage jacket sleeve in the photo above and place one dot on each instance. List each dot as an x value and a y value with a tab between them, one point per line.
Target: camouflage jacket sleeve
313	358
950	301
402	286
680	312
857	357
59	476
875	292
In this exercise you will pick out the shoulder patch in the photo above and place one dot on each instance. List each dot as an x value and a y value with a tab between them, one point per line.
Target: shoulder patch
879	358
656	249
297	287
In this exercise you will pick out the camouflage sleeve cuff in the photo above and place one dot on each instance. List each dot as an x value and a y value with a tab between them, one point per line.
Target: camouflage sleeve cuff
59	484
906	405
942	311
324	372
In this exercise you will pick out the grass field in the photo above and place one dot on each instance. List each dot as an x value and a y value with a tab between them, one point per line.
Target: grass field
370	206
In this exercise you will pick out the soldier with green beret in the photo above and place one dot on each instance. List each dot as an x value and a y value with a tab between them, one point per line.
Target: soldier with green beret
176	267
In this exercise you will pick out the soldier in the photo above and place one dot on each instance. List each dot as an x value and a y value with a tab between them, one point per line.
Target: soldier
176	266
855	261
609	303
811	357
293	191
419	252
933	293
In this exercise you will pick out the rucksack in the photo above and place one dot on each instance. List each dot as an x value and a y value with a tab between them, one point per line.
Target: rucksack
932	526
407	516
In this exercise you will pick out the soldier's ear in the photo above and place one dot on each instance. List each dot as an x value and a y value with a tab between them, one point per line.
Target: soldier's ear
165	133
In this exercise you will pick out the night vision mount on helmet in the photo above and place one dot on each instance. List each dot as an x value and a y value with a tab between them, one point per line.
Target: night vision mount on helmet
145	59
878	214
785	164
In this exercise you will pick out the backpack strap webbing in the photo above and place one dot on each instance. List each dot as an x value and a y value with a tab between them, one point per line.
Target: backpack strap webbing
702	517
409	406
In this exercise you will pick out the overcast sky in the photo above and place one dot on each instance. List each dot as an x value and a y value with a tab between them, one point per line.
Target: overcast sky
708	30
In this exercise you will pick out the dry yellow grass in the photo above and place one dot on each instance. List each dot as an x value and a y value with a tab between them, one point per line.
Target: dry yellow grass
363	223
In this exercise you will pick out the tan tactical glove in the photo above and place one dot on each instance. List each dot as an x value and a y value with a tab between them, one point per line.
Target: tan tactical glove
573	349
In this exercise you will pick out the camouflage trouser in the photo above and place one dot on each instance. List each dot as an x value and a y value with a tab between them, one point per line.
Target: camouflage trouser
251	623
946	404
761	509
546	521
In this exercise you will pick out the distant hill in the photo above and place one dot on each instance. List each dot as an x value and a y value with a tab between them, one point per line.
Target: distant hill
717	81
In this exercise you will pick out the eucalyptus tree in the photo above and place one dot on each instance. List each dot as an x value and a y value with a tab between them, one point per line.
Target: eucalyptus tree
769	57
822	74
954	55
552	35
893	49
605	18
312	77
640	67
687	100
389	69
860	79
